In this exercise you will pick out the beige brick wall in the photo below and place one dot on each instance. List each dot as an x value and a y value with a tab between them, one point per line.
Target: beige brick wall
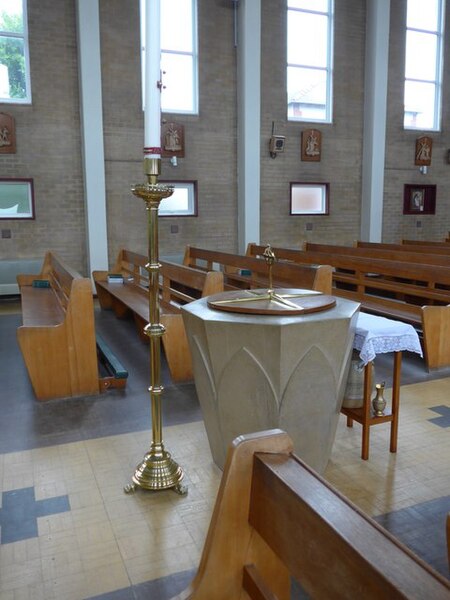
48	141
210	137
340	163
400	147
48	137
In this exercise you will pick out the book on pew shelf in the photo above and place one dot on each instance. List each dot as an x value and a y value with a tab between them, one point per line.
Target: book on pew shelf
115	278
40	283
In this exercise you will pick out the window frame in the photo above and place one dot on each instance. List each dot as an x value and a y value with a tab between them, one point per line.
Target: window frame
191	186
193	54
27	191
325	201
26	53
437	82
329	63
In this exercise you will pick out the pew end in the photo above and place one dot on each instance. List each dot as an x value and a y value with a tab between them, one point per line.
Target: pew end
275	518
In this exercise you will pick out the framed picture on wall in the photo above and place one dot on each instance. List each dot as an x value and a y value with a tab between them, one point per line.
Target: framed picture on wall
16	199
419	199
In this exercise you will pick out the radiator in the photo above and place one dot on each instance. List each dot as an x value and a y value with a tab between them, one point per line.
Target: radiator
11	267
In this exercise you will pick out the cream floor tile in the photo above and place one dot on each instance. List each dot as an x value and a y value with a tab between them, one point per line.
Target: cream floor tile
85	498
161	516
89	515
130	526
19	552
38	591
142	569
20	574
94	534
55	523
62	563
106	578
100	554
52	489
58	542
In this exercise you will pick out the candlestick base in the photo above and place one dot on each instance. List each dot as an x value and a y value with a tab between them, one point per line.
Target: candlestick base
158	471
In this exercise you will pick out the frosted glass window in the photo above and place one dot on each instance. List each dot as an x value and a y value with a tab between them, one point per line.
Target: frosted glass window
309	198
183	201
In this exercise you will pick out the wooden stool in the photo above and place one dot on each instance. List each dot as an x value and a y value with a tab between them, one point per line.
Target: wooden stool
364	415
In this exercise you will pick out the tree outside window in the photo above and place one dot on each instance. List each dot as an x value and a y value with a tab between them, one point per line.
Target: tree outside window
14	80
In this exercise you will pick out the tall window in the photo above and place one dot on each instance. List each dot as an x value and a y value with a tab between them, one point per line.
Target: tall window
179	59
309	60
14	61
423	64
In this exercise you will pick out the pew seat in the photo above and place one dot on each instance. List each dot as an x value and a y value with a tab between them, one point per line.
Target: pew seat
57	336
177	286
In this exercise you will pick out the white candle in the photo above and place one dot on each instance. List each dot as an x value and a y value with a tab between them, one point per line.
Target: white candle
152	105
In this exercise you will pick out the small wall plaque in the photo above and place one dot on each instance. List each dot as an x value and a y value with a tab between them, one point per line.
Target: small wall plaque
172	139
424	146
7	134
311	145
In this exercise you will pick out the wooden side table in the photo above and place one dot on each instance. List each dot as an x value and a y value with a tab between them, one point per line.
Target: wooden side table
364	414
375	335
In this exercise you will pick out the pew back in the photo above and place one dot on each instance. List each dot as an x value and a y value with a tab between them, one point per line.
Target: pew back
57	338
275	518
315	276
178	285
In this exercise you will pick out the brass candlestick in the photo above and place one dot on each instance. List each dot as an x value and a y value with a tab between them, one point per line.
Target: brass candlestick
157	471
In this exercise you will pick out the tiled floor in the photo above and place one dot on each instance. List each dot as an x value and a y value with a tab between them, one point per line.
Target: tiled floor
67	461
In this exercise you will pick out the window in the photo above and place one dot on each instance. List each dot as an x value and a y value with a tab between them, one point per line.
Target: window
423	64
183	201
309	198
309	60
179	61
14	61
16	199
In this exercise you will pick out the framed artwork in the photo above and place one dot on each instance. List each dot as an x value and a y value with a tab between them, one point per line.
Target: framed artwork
16	199
424	146
172	139
311	145
309	198
7	134
419	199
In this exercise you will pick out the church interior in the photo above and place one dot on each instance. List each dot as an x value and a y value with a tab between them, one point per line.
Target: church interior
72	434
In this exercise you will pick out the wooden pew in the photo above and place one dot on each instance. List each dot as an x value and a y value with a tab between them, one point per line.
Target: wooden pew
57	338
275	518
403	255
418	248
178	285
425	243
249	272
412	292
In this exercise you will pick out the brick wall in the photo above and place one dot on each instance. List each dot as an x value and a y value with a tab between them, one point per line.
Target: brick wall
48	137
48	141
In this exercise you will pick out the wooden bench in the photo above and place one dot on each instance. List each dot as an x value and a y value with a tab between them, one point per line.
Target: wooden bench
418	248
250	272
426	243
178	285
415	293
404	255
275	518
57	338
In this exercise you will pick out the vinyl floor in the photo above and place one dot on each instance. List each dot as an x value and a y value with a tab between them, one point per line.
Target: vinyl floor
68	531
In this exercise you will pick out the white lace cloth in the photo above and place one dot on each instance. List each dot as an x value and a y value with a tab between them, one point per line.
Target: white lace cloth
376	335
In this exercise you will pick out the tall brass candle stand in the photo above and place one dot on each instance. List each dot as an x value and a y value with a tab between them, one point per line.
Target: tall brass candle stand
157	471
